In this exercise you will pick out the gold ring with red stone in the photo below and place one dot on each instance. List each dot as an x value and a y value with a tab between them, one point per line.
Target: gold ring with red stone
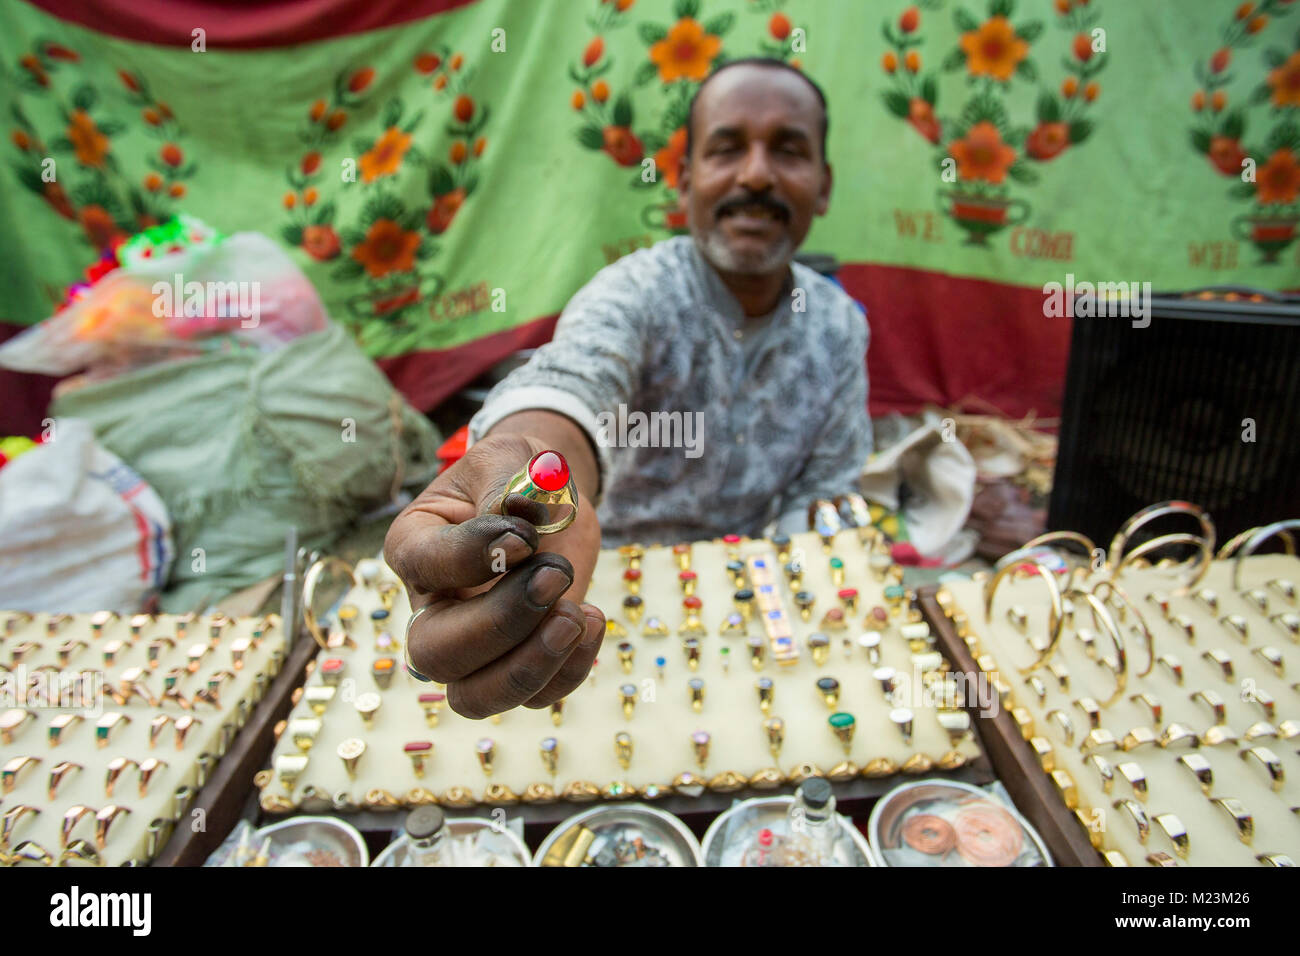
544	479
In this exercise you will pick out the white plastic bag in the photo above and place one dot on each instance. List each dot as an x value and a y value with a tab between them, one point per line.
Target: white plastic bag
79	530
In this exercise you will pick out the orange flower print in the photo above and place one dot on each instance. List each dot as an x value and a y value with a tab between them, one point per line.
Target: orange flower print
982	154
385	157
994	49
686	53
90	145
98	225
1278	180
1285	81
387	248
669	159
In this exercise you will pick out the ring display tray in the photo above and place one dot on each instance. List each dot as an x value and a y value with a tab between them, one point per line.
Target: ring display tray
112	727
1195	762
669	758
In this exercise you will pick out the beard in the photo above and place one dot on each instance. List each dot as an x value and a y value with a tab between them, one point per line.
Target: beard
720	254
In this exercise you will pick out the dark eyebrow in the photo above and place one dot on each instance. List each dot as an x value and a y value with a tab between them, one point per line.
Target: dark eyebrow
793	133
725	132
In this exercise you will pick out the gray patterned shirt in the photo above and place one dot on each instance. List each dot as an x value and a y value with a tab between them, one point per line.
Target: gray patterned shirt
762	415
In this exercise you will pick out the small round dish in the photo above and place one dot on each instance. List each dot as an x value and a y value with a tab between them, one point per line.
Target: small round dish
736	830
624	834
466	829
313	841
946	823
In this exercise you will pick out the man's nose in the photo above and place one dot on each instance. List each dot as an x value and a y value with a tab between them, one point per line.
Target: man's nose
756	170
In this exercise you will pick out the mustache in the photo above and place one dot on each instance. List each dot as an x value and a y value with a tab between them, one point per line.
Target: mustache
763	200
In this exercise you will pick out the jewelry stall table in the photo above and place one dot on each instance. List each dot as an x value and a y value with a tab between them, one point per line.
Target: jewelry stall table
731	668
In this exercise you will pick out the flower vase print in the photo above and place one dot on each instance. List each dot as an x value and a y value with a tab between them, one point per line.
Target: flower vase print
650	134
1255	141
65	125
385	247
985	149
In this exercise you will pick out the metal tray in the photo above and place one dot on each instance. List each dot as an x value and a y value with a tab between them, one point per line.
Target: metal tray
764	812
627	820
327	833
918	790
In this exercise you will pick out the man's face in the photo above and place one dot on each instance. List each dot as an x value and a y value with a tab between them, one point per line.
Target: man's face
756	175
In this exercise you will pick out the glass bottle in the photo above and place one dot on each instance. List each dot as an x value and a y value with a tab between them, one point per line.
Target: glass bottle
813	824
426	831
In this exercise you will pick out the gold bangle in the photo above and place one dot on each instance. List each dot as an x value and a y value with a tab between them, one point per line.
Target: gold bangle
1229	549
1155	544
309	594
1259	537
1118	592
1101	615
1056	622
1151	513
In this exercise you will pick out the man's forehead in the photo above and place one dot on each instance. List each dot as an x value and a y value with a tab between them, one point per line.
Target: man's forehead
759	97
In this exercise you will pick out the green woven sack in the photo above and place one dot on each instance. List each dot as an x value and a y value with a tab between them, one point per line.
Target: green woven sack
243	446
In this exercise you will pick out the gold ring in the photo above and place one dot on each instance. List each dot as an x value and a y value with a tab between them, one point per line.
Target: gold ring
1241	817
11	720
545	479
1056	622
1270	762
104	819
11	819
1176	832
1199	768
1139	816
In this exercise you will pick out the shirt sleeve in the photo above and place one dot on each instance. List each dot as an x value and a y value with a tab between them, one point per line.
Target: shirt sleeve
593	363
844	441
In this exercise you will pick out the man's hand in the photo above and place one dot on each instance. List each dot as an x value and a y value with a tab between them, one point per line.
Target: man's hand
496	640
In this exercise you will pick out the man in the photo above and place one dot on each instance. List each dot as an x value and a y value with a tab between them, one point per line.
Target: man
767	358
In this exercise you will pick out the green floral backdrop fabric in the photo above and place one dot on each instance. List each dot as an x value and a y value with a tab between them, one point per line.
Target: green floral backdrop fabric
463	174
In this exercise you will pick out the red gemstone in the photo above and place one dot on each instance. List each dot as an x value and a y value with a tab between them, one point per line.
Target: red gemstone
879	613
632	574
681	549
692	603
418	747
549	471
846	593
834	614
687	576
331	665
433	698
731	539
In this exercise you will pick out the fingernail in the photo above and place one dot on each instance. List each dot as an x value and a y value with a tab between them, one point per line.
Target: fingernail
547	584
512	546
559	633
591	634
